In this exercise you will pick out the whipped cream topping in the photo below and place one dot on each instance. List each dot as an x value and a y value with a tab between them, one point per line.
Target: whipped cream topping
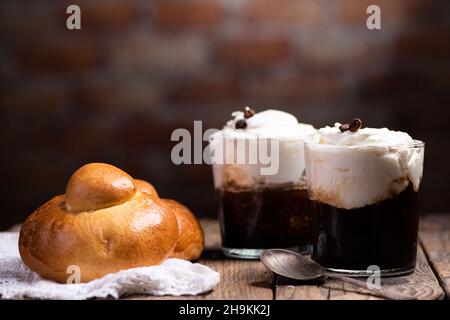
362	137
355	169
266	126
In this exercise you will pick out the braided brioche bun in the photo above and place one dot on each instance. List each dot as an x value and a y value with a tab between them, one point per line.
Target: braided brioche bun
190	240
106	222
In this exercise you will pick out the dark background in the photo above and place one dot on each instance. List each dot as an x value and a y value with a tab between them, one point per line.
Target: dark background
114	91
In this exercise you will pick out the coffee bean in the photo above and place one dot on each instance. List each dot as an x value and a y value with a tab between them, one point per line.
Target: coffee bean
355	125
249	112
241	124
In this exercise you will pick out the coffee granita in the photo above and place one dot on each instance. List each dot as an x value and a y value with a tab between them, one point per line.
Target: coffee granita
263	204
364	195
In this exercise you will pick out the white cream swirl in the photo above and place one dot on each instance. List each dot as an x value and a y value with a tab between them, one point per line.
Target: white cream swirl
269	124
354	169
363	137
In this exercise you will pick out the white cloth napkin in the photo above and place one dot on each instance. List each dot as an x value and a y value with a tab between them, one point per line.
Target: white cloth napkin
173	277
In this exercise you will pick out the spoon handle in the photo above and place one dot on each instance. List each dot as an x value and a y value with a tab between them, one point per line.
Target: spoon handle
382	292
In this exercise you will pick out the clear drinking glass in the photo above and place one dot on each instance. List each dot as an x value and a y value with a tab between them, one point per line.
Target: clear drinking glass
364	204
260	209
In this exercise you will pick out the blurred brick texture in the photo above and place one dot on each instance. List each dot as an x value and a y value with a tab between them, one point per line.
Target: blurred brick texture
114	91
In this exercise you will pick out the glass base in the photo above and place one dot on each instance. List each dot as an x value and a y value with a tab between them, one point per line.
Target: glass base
253	254
397	272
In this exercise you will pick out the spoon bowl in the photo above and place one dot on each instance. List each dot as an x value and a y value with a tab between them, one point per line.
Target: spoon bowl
292	265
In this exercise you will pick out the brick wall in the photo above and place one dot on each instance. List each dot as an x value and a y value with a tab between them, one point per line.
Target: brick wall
138	69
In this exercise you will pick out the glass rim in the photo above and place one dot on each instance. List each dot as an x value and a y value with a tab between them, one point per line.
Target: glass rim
415	144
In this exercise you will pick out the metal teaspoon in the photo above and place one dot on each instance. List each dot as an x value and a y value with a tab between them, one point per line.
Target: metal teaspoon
292	265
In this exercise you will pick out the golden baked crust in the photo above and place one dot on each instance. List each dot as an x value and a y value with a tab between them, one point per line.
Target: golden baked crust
190	235
104	223
146	187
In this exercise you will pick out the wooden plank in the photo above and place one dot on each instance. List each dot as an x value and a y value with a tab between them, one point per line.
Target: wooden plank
435	239
240	279
289	290
330	290
344	292
345	295
421	285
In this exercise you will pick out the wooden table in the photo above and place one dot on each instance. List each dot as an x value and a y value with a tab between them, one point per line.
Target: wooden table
249	279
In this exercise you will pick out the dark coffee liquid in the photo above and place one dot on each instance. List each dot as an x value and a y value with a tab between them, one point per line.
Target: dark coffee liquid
383	234
268	218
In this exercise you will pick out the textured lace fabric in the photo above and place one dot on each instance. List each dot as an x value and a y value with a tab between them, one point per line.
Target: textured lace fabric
173	277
